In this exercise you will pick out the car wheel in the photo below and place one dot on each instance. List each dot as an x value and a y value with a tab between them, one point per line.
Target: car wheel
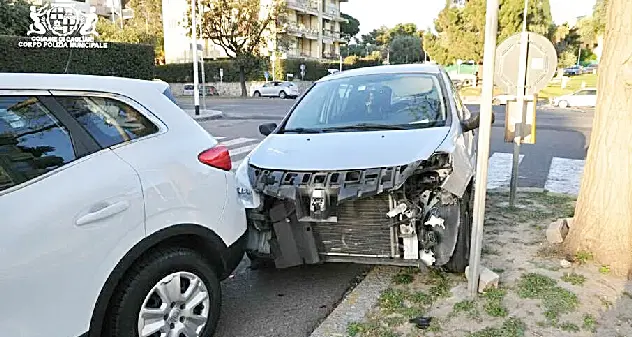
461	255
282	95
256	94
171	292
563	104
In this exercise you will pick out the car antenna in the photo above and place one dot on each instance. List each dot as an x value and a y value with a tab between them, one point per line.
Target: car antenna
68	62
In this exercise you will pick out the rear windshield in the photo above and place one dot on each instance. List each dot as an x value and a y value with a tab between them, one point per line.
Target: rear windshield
408	100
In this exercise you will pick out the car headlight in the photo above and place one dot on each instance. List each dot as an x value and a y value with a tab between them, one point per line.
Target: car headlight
248	197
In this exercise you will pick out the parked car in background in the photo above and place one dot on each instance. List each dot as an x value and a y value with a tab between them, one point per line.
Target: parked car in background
586	97
282	89
573	71
373	165
119	213
591	69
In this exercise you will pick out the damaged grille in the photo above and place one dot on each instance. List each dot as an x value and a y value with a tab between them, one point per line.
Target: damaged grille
362	228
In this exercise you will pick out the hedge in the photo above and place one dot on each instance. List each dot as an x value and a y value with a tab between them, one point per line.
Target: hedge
183	72
118	59
314	70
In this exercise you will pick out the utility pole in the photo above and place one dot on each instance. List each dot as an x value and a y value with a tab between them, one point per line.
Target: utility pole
196	89
482	161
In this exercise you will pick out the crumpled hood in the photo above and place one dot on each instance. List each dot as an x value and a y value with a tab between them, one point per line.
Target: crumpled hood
347	150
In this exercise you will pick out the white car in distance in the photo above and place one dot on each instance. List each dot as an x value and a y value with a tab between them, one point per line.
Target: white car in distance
281	89
119	213
586	97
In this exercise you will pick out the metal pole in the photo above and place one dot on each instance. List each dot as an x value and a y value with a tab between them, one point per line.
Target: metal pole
121	12
480	191
196	89
520	92
203	84
579	54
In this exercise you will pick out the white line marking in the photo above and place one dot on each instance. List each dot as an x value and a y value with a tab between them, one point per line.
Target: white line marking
565	176
220	138
237	141
499	169
243	149
236	164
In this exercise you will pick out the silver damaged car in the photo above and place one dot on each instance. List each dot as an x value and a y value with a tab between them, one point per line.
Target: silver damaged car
372	165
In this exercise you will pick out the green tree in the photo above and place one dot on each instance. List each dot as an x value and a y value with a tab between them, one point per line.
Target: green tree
405	49
375	37
351	28
238	26
14	17
460	30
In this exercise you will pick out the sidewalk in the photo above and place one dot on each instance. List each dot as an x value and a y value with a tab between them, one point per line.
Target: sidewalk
204	115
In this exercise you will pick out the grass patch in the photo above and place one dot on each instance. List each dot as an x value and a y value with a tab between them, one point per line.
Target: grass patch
590	323
468	307
604	269
583	256
392	299
512	327
421	298
554	89
556	300
574	278
440	285
498	270
494	302
569	327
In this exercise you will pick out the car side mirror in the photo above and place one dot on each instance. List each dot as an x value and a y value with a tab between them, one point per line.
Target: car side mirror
474	122
267	128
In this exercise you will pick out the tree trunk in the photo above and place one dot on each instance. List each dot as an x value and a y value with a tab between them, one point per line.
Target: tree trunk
603	215
242	81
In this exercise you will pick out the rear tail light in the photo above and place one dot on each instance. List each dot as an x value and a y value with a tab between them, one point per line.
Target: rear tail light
217	157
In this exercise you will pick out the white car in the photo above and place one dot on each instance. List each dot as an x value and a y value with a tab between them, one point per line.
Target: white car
119	215
279	89
586	97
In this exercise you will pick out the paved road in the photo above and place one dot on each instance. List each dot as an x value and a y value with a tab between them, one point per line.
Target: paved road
291	303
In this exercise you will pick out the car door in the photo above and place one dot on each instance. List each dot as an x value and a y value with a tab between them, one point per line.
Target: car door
581	98
591	98
66	205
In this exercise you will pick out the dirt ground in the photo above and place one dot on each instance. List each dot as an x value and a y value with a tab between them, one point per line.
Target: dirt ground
537	294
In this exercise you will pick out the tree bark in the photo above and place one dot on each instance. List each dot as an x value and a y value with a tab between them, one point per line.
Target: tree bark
242	80
603	215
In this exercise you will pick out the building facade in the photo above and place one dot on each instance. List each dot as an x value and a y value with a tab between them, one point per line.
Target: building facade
311	30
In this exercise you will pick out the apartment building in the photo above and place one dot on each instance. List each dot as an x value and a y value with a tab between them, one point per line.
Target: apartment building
311	31
110	9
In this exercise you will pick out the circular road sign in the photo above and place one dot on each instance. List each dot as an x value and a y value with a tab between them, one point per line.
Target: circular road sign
541	63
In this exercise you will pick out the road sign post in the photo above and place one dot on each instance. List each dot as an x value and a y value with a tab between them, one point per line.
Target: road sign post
196	89
221	75
484	135
526	64
302	67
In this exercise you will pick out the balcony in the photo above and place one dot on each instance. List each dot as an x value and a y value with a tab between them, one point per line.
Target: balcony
332	12
299	30
305	6
331	34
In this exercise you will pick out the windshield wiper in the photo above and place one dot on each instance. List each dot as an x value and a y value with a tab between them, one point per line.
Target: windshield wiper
302	130
367	126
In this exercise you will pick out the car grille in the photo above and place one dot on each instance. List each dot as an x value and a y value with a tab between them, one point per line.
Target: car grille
362	228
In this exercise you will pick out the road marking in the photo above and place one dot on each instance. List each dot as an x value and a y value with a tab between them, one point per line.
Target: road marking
220	138
565	176
499	169
237	141
243	149
236	164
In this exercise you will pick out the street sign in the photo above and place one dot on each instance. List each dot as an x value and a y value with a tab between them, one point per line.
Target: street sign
541	63
221	72
302	67
266	75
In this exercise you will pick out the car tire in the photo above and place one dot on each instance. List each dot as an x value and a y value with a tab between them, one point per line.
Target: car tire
282	95
139	290
563	104
461	255
256	94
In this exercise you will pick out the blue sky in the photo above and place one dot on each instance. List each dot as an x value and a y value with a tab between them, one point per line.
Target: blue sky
375	13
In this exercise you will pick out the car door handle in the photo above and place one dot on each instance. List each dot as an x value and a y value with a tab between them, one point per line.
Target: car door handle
103	213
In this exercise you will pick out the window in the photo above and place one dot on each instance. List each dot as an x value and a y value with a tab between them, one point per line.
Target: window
32	141
108	121
586	92
406	100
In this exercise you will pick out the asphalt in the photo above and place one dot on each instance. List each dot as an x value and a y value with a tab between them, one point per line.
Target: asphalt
292	302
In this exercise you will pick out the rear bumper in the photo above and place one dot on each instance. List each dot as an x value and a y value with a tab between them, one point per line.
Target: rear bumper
233	255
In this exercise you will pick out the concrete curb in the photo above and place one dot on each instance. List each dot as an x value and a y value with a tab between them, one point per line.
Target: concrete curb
357	303
205	114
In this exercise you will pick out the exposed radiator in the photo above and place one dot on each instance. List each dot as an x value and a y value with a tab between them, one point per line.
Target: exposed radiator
362	228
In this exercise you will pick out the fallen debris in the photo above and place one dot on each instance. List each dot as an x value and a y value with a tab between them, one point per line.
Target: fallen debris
487	279
557	231
565	264
421	322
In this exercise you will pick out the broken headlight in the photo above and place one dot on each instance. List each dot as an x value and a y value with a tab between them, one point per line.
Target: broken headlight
439	160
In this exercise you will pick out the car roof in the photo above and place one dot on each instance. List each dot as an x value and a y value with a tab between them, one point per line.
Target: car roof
109	84
384	69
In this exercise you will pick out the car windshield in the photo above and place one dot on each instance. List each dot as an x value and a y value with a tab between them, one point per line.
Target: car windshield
386	101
